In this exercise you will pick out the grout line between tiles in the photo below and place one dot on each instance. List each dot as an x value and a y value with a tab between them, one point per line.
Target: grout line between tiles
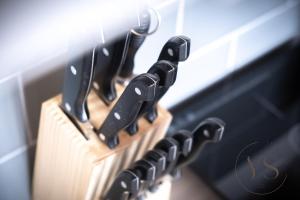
15	153
180	17
242	30
24	109
232	51
9	77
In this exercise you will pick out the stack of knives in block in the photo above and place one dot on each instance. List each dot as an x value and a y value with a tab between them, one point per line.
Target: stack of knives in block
104	136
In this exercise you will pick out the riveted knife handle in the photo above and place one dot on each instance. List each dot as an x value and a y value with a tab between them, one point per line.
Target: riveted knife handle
139	90
77	82
170	146
185	140
210	130
176	49
109	60
158	158
126	184
147	170
165	71
135	43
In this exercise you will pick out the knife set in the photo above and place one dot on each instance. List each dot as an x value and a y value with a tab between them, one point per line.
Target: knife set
102	138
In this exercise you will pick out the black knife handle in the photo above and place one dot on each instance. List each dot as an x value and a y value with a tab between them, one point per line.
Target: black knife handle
77	82
109	60
165	71
158	158
210	130
135	43
176	49
190	145
145	170
139	90
185	141
170	146
126	184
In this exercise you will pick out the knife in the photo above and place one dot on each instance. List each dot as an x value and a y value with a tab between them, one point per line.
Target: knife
158	158
109	59
126	184
169	146
77	82
170	155
140	89
190	145
183	144
165	72
177	49
135	43
209	131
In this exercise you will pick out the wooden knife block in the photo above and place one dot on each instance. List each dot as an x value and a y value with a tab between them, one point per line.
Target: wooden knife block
68	166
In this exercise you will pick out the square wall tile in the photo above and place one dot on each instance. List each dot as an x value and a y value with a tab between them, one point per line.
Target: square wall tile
206	21
14	179
12	127
267	36
40	84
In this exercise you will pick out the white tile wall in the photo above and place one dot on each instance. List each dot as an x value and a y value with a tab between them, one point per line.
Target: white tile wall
225	35
13	131
14	178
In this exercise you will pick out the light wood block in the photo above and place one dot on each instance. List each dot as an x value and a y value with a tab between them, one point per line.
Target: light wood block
70	167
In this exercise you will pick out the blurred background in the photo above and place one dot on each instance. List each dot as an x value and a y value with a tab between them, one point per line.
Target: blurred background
243	68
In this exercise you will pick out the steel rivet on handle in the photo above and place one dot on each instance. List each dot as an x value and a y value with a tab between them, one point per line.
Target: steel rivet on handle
105	51
117	116
206	133
124	185
73	70
170	52
137	91
68	107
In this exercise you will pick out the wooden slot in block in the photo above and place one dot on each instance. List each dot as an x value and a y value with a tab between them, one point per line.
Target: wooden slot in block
68	166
